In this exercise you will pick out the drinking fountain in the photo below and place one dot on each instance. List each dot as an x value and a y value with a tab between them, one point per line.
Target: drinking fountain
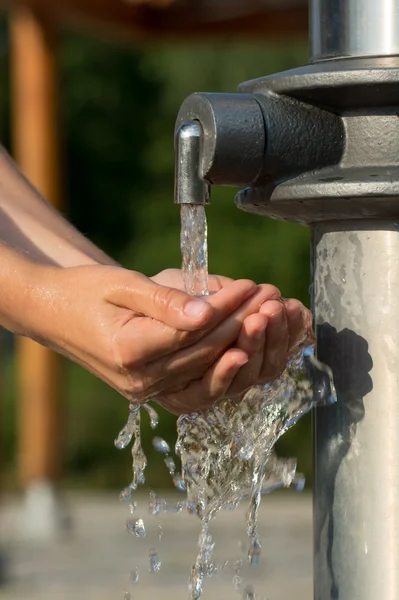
319	146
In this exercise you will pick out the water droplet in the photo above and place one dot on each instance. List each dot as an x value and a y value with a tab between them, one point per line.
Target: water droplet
177	507
136	527
179	483
132	507
237	581
155	563
134	576
155	504
125	494
170	463
298	483
152	413
126	434
160	445
127	596
254	552
160	533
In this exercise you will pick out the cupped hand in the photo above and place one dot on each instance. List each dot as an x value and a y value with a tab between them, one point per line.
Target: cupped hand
140	337
266	341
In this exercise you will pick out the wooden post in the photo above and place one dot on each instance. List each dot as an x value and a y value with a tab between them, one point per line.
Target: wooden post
36	148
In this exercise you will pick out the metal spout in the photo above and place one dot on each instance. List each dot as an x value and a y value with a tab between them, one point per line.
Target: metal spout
190	187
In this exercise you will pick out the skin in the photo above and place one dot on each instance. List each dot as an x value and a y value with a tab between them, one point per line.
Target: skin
144	336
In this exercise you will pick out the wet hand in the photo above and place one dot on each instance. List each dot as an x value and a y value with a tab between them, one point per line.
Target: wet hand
140	337
259	355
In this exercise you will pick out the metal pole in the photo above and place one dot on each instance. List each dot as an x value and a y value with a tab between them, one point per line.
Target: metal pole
350	28
356	487
356	309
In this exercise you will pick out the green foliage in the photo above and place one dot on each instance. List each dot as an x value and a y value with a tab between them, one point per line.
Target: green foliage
118	107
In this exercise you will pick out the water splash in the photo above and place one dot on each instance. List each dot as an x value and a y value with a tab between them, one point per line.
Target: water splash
227	452
139	463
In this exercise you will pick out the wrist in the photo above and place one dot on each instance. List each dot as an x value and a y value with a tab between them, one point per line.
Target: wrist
19	280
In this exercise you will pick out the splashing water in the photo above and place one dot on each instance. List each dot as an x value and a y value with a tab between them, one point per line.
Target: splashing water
226	452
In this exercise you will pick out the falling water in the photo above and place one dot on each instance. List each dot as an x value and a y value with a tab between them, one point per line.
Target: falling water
227	452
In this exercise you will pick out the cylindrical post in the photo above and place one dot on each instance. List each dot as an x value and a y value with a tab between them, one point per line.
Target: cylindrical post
356	308
349	28
36	147
356	487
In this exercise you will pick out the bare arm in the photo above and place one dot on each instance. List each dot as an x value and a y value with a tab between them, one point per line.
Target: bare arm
143	338
28	222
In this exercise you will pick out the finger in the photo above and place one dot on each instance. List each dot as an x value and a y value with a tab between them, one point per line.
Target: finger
170	306
191	363
217	380
203	393
170	277
252	341
276	348
144	342
217	282
299	323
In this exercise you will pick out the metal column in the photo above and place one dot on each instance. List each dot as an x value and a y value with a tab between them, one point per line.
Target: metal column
356	308
351	28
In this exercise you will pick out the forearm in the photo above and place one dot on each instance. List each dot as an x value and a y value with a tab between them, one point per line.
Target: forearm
31	224
19	278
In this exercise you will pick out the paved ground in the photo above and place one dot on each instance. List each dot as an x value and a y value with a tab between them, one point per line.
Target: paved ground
94	562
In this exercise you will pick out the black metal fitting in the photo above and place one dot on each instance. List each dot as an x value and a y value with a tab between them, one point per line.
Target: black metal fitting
316	143
255	139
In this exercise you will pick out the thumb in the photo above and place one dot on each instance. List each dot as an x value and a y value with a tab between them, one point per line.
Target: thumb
168	305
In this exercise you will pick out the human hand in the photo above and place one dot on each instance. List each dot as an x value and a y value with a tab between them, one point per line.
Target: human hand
267	338
131	332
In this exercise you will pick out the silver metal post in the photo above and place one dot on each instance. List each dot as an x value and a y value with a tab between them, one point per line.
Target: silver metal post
356	487
349	28
356	310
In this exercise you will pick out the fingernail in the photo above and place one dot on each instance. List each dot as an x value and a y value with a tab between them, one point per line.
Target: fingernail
195	309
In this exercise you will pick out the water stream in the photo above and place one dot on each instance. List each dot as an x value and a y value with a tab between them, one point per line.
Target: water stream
227	452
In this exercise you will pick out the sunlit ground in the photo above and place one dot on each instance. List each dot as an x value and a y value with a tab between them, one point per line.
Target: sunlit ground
94	561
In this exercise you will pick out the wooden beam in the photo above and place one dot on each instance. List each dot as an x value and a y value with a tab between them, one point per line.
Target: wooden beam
36	146
141	20
185	22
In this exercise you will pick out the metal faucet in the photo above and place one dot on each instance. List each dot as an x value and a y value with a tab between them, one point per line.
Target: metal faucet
190	186
319	145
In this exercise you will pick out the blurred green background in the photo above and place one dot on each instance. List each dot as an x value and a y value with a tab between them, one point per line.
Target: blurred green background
118	110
